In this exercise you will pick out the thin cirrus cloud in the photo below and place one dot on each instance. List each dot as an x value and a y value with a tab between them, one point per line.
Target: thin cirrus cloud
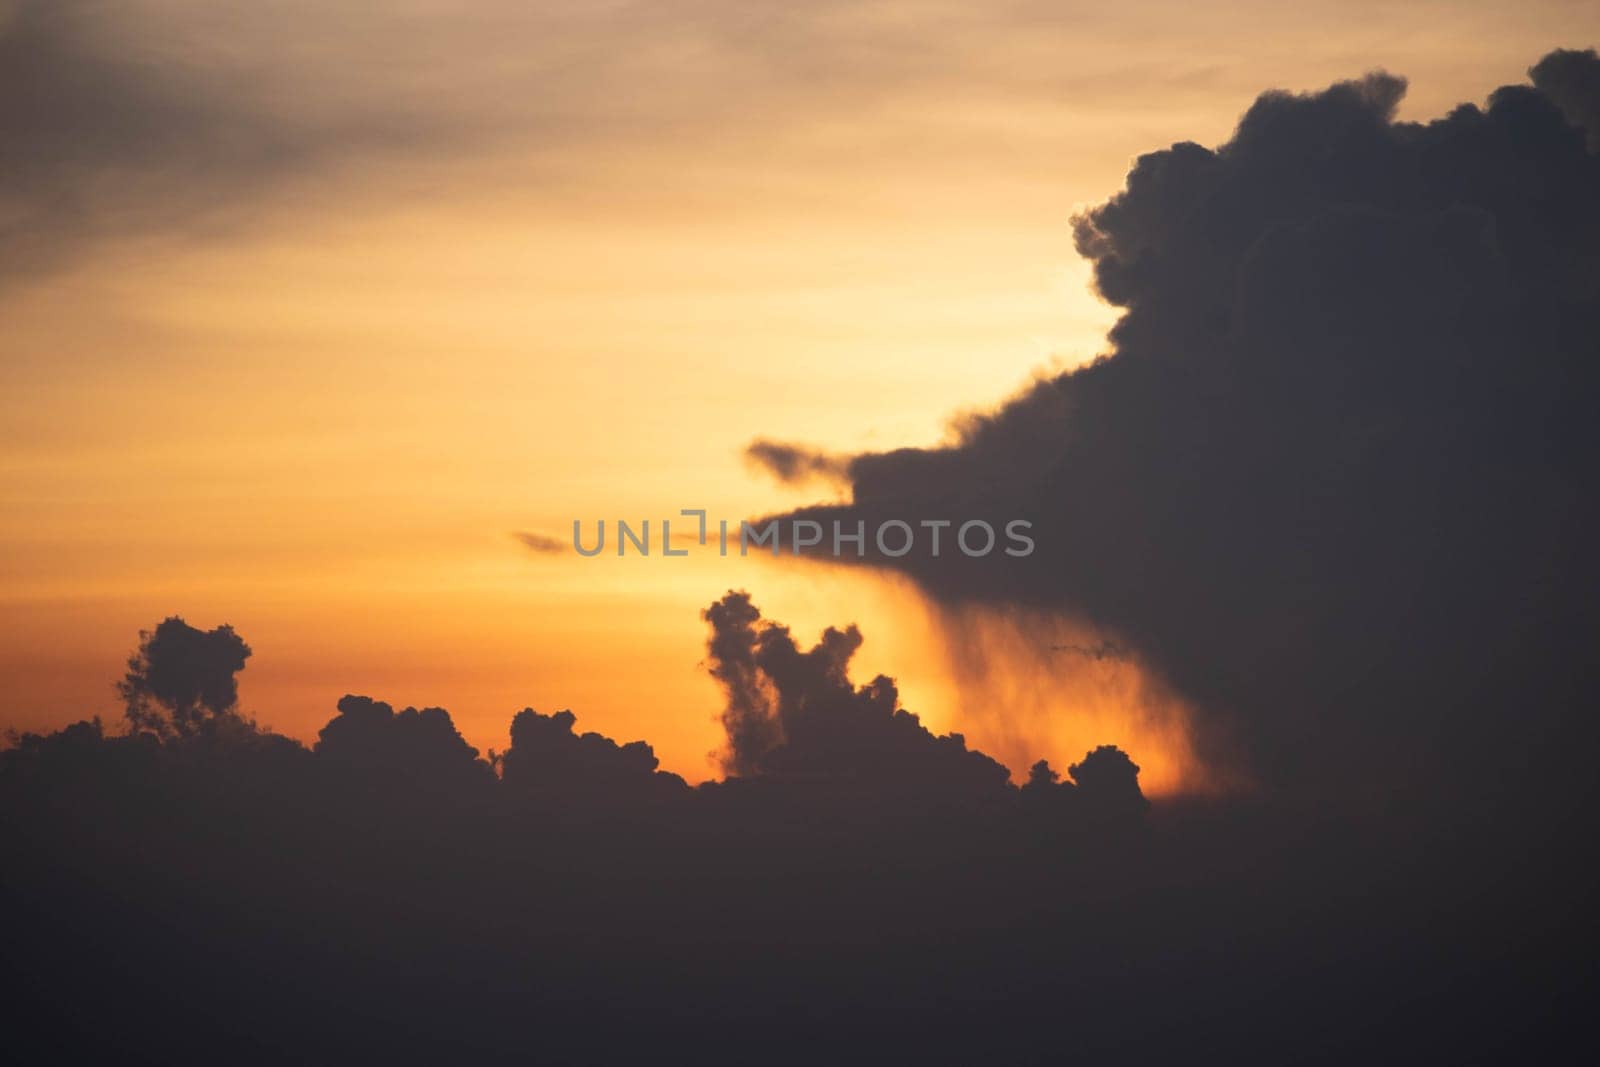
112	126
542	544
182	117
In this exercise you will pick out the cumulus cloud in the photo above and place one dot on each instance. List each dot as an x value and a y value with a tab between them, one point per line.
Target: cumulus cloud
548	759
795	714
1572	79
371	742
181	679
1334	474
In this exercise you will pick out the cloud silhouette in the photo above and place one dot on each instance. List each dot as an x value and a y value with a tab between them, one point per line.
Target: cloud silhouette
795	714
796	464
181	679
1334	475
384	894
370	742
1571	79
542	544
551	762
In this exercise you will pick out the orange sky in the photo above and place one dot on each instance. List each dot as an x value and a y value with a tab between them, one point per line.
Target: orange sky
596	250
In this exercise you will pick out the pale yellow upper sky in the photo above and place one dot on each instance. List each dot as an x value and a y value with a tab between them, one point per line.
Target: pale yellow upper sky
531	262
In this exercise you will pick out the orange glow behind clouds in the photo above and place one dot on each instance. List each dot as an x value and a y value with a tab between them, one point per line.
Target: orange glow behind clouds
645	238
1034	686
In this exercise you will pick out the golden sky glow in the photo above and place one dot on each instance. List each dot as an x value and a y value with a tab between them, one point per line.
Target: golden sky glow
588	252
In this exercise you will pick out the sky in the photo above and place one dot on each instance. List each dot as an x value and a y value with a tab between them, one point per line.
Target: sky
306	311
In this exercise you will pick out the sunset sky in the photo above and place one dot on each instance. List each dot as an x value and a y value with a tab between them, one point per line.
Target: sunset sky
342	298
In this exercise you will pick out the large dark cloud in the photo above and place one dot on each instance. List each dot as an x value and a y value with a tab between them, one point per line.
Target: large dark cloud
1336	476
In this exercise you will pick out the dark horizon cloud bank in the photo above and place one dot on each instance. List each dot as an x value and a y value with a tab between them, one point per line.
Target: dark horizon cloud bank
558	885
385	893
1335	476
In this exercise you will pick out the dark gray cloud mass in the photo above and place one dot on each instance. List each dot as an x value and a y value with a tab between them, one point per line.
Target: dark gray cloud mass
794	713
550	761
868	890
1336	475
368	739
1572	79
181	679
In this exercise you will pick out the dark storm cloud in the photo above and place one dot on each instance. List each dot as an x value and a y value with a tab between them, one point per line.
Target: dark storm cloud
1336	476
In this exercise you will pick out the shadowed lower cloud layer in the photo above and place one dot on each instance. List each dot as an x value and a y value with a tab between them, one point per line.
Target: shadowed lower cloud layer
1335	479
868	889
